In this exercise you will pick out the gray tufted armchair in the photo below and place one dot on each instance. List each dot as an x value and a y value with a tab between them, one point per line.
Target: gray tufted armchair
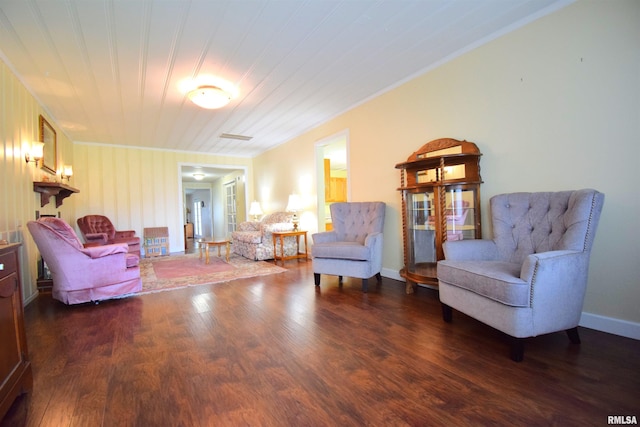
354	247
532	277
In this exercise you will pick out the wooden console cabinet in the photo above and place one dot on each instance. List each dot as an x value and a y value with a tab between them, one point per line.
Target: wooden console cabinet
15	369
440	185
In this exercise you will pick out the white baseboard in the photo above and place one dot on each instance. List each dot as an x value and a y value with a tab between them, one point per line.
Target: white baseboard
391	274
609	325
31	298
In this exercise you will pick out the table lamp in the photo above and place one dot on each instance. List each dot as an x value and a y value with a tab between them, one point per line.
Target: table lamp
255	210
295	206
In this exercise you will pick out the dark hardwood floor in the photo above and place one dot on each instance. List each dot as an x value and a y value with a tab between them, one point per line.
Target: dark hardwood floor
277	351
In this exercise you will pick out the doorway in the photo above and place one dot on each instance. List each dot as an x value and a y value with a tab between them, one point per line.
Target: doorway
200	212
205	212
332	166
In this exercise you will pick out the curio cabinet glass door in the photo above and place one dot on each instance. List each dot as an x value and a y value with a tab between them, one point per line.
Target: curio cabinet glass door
440	185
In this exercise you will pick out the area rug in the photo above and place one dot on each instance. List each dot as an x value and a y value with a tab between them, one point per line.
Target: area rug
179	271
173	268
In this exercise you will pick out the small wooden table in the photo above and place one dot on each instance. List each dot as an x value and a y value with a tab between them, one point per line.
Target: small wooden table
205	245
281	235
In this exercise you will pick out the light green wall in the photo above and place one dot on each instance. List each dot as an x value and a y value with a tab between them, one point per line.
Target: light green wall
554	105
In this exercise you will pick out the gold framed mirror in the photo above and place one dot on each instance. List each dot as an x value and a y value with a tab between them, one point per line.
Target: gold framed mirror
50	151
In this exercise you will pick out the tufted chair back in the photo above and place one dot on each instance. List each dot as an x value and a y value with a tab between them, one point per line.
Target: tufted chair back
354	221
531	278
91	224
98	230
354	247
530	223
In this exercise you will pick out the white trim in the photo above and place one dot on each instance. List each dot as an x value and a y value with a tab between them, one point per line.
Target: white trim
245	170
552	8
170	150
395	275
610	325
28	300
319	155
391	274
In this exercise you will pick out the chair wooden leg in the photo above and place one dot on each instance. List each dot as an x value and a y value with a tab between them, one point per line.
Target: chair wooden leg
340	279
365	285
316	278
447	313
574	337
379	277
517	349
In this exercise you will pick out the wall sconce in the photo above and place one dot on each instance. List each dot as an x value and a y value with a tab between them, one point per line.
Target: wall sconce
67	173
295	206
255	210
35	153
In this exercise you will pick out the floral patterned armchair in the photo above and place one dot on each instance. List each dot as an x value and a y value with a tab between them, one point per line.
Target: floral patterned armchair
254	239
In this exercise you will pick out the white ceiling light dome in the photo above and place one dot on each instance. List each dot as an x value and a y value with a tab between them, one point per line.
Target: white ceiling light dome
209	97
209	92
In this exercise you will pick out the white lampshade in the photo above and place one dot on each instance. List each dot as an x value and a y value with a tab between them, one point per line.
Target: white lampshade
295	203
295	206
209	97
67	172
255	210
37	150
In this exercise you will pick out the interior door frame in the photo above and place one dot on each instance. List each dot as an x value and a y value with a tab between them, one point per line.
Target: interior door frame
319	147
230	168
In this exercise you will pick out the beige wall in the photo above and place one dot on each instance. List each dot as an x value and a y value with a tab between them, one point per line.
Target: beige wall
554	105
19	113
138	188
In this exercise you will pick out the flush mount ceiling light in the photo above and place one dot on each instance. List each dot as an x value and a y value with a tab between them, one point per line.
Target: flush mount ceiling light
209	97
198	176
208	91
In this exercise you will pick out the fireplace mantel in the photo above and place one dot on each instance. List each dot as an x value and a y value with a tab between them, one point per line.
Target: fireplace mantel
48	189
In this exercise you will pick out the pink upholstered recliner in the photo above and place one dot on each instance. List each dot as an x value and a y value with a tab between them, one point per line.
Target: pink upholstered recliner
98	230
84	274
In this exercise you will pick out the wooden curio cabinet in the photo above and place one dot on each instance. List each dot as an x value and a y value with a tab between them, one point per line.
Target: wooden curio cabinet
440	186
